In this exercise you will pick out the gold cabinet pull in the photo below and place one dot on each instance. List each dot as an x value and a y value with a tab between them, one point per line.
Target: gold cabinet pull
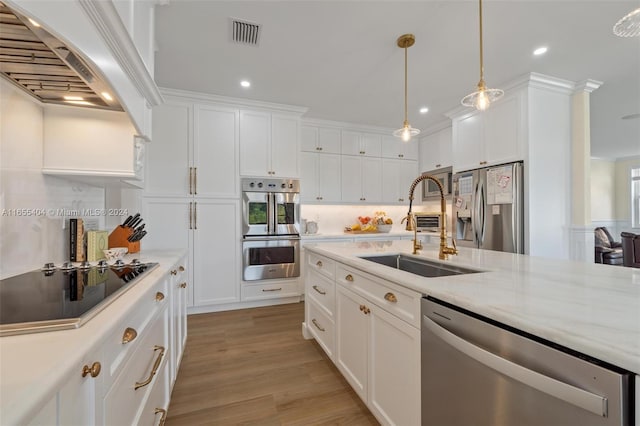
272	289
349	278
317	325
391	297
195	181
190	215
181	268
129	335
316	288
183	285
195	215
319	263
153	370
163	419
159	296
174	272
94	370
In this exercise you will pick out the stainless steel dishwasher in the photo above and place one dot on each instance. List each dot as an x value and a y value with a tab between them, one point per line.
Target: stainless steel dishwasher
479	372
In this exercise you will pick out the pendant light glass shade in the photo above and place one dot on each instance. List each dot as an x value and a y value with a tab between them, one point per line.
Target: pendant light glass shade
483	97
629	25
406	132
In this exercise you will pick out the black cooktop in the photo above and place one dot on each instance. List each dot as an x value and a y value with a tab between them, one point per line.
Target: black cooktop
60	298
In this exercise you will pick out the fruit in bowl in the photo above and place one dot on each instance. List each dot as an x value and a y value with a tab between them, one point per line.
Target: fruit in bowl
115	253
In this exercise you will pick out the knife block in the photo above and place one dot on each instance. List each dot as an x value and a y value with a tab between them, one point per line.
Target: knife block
118	238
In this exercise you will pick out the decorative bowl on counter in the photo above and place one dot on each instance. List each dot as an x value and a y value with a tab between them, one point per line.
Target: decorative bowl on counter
384	228
115	253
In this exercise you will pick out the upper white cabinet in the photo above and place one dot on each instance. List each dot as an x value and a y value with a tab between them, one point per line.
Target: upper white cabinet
436	150
361	179
359	143
195	151
393	147
102	149
319	177
269	144
320	139
397	176
489	137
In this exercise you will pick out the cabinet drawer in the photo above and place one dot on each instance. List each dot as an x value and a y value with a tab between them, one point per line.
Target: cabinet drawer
290	288
321	264
123	342
321	290
123	402
395	299
321	327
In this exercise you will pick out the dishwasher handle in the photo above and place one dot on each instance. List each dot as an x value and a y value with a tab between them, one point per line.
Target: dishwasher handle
568	393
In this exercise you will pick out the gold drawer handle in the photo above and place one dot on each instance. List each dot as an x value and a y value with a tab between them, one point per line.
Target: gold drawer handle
349	278
174	272
391	297
159	296
129	335
272	289
153	370
317	325
183	285
163	419
316	288
181	269
319	264
94	370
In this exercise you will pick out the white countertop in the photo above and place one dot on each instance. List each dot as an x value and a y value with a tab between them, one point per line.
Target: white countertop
32	365
364	235
591	308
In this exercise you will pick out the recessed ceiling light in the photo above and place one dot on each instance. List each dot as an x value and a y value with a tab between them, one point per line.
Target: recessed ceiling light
79	102
107	96
245	83
73	98
540	51
34	23
424	110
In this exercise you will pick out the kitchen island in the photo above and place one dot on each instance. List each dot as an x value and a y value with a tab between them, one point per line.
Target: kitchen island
588	308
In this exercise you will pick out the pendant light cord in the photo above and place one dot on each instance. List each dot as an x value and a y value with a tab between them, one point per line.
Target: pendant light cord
481	52
406	109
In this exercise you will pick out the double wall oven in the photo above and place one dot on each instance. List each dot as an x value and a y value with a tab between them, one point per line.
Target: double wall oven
270	228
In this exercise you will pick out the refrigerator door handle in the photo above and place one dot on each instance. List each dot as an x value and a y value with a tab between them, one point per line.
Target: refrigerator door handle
475	220
481	211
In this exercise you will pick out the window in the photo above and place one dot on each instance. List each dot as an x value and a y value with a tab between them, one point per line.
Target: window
635	197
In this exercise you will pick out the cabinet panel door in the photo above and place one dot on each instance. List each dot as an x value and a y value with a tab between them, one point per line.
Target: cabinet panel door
216	252
468	140
215	153
445	148
501	132
168	156
308	138
329	140
371	144
284	146
408	173
255	135
393	147
350	144
351	178
329	181
394	369
80	399
309	191
391	172
352	346
371	179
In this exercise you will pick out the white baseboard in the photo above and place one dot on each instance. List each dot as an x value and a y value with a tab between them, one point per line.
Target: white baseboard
192	310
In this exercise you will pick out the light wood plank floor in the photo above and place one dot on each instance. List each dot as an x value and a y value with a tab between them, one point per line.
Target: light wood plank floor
252	367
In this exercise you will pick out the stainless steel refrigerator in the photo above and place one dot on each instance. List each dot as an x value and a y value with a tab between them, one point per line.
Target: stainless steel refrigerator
488	210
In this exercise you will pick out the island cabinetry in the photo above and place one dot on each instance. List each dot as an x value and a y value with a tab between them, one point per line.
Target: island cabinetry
319	177
436	150
397	176
320	299
178	284
361	179
269	144
358	143
378	344
393	147
490	137
326	140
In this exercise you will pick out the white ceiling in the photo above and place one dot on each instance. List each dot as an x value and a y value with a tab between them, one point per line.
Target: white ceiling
340	58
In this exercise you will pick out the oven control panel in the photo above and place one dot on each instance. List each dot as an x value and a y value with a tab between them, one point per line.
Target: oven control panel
270	185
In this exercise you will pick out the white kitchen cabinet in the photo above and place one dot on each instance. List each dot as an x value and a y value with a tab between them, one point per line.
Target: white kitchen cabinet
361	179
320	177
490	137
359	143
393	147
397	176
327	140
269	144
195	151
270	289
436	150
178	283
209	229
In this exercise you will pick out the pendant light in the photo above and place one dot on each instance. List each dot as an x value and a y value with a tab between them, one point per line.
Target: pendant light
482	98
629	25
406	132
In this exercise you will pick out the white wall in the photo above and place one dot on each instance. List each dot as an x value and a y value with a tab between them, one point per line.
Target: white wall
27	242
603	190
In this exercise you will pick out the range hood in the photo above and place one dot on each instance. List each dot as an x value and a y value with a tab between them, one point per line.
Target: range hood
48	69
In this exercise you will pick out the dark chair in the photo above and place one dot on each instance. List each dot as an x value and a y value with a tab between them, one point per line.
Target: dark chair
630	249
607	250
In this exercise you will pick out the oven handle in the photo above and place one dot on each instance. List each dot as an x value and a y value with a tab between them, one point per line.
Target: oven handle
273	238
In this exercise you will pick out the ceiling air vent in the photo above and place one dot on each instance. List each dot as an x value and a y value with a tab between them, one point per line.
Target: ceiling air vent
245	32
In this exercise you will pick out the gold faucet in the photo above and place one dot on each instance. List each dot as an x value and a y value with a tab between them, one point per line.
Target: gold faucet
412	224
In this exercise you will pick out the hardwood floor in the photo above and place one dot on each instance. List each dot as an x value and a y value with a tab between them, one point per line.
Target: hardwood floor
252	367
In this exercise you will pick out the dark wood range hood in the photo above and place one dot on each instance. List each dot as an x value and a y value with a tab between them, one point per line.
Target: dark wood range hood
46	68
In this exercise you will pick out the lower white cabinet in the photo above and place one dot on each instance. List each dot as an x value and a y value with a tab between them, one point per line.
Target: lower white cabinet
178	285
369	328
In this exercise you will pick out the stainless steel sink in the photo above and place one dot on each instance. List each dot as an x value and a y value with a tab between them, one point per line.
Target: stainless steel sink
423	267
